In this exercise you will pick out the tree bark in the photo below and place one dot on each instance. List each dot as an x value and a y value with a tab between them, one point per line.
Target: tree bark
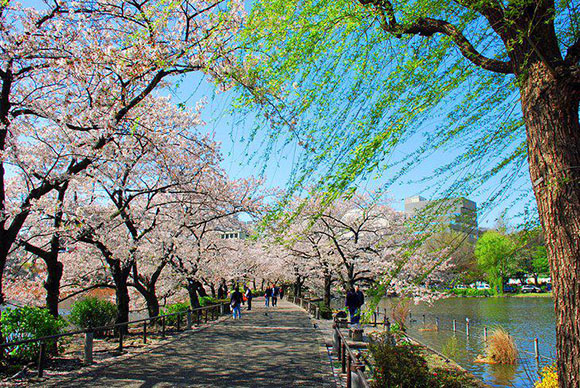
550	107
122	297
195	290
327	289
52	283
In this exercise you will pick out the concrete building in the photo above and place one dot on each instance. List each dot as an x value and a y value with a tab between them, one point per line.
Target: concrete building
455	214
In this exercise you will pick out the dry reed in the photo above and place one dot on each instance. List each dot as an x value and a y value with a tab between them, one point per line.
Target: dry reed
400	311
501	348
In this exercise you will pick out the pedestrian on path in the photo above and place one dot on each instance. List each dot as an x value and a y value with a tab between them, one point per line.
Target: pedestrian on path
236	303
352	302
281	292
275	294
360	296
249	297
268	295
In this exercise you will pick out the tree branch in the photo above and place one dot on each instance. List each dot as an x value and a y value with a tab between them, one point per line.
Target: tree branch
429	27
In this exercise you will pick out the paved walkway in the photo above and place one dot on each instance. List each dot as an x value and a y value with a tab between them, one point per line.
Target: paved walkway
268	347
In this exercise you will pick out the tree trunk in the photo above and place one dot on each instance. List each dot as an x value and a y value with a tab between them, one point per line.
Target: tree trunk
152	304
327	289
195	290
120	277
52	283
550	108
298	286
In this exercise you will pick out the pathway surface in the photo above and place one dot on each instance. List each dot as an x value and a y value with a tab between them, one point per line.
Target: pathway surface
268	347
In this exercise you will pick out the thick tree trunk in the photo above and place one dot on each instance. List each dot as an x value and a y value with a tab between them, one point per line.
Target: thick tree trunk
195	290
52	283
152	304
298	286
550	108
327	289
120	277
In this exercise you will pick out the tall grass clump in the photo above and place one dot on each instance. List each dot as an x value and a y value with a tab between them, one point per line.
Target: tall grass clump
501	348
400	312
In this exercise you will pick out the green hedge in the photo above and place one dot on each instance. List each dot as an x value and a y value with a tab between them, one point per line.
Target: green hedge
28	322
471	292
172	309
93	312
325	312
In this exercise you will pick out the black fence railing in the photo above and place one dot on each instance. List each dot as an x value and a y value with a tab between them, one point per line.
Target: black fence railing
179	320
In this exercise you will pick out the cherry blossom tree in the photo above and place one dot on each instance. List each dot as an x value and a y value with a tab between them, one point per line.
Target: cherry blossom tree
73	73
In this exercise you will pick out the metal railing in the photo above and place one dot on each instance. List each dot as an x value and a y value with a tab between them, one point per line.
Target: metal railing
350	362
121	330
311	308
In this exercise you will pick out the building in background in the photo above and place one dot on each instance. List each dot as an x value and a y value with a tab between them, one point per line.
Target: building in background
454	214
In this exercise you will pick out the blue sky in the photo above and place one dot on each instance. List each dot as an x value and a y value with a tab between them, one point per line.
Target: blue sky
229	131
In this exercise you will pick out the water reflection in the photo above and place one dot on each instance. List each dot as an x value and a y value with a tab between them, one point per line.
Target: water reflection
524	318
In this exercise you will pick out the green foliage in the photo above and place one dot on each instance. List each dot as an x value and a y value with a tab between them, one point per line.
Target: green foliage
207	301
325	312
399	366
494	252
471	292
359	92
175	308
540	260
26	323
93	312
450	347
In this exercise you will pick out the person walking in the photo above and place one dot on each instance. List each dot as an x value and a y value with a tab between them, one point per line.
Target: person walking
268	295
275	294
352	302
361	297
236	303
281	292
249	297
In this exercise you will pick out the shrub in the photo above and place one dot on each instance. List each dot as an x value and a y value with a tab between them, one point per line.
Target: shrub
325	312
548	377
93	312
207	301
25	323
400	366
501	348
471	292
175	308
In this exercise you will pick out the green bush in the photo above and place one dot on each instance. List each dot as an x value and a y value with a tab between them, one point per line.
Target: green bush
93	312
471	292
400	366
207	301
25	323
175	308
325	312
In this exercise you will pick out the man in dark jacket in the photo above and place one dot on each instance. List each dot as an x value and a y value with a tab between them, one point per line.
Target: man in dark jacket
360	296
236	303
352	302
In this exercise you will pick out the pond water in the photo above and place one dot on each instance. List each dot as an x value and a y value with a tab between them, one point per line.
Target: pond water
524	318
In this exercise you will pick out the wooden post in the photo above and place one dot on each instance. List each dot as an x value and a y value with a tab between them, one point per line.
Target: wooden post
423	319
178	321
120	338
188	319
374	318
41	356
88	359
197	317
537	350
348	372
343	358
454	325
144	332
317	312
467	326
437	322
485	333
163	326
205	315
